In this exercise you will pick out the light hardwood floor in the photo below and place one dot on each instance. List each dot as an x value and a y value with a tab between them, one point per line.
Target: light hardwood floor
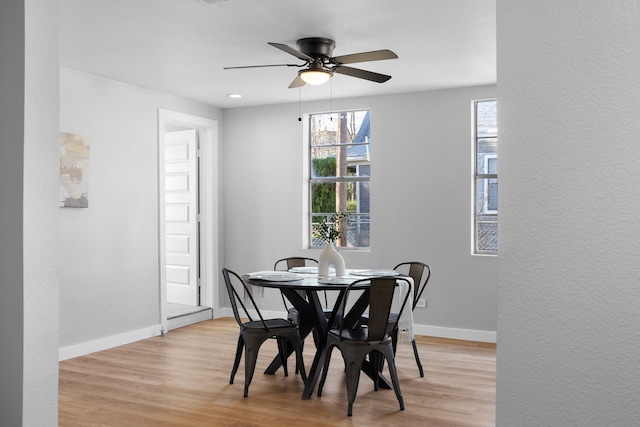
182	379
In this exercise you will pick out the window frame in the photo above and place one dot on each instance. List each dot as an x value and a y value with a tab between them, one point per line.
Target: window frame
310	180
482	176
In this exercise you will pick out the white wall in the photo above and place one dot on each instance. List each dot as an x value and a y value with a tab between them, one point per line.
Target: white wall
109	280
569	284
29	165
421	196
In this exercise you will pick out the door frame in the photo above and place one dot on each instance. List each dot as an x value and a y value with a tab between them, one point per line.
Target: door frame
208	190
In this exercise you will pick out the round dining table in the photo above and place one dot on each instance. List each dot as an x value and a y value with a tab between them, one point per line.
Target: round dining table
313	315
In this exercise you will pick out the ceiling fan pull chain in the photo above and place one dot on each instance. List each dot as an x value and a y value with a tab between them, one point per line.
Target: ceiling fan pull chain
331	98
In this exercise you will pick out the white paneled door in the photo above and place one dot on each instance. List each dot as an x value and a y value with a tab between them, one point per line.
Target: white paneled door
181	216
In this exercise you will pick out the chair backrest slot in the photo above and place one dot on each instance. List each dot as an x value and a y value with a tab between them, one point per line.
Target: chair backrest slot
380	300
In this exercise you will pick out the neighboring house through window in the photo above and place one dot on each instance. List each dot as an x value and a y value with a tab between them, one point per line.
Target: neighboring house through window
485	177
339	173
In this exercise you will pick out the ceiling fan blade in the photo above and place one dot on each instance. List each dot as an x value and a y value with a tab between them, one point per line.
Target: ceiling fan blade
362	74
263	66
292	51
374	55
297	82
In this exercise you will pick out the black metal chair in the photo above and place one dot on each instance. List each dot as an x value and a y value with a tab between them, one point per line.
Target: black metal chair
356	343
289	263
420	273
255	332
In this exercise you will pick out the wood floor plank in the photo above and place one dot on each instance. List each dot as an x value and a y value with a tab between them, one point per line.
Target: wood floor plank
182	379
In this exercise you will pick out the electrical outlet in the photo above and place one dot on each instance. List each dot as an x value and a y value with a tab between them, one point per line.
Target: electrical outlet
422	303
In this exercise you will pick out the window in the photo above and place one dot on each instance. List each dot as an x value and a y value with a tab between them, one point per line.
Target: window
485	177
339	173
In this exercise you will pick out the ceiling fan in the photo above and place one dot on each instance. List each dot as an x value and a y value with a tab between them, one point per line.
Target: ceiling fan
319	65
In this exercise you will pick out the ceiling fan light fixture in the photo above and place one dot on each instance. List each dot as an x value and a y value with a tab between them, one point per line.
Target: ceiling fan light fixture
315	77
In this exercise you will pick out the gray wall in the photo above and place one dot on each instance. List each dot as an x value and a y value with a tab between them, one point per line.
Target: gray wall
29	163
109	283
420	196
569	286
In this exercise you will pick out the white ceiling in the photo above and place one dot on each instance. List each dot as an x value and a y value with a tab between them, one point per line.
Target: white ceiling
181	46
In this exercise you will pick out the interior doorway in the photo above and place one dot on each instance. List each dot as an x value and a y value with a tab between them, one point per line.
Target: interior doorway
182	212
187	211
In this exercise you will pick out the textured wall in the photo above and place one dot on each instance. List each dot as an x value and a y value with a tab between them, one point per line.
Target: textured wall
569	284
41	239
29	162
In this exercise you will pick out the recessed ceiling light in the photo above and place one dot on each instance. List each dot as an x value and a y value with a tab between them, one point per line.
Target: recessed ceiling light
234	95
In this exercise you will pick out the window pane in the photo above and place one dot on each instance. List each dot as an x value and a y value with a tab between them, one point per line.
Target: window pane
363	205
486	195
356	197
339	128
487	149
487	233
323	198
492	165
492	195
358	232
324	129
324	160
486	119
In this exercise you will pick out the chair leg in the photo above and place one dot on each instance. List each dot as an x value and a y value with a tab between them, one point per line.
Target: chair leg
415	353
236	362
394	377
377	363
250	358
353	377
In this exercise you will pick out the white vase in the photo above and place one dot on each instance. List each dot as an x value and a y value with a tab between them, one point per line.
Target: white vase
330	257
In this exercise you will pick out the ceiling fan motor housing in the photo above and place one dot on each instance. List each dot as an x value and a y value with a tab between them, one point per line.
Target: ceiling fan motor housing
316	47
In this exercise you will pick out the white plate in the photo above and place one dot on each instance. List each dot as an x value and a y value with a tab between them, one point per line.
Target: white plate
304	270
275	276
333	280
373	273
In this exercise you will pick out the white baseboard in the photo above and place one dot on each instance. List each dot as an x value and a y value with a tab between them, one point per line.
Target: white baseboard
427	330
105	343
455	333
189	319
224	312
152	331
